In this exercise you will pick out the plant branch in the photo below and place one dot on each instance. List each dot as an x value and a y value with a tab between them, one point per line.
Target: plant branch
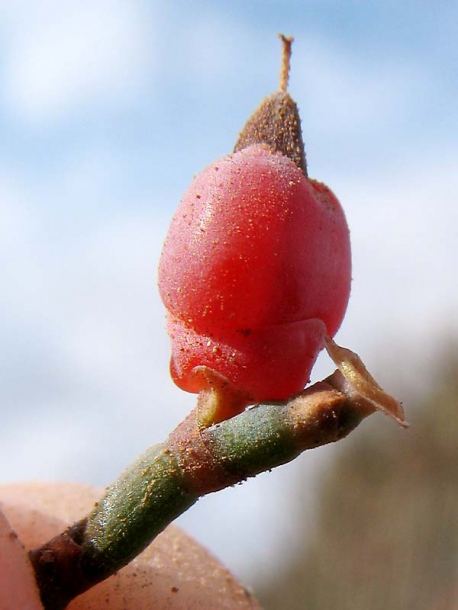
194	461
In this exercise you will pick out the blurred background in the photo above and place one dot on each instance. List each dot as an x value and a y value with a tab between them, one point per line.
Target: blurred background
107	110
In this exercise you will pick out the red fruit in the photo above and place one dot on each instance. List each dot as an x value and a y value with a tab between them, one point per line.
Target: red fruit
255	270
254	273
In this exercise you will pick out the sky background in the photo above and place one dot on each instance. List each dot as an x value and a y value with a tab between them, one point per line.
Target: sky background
107	110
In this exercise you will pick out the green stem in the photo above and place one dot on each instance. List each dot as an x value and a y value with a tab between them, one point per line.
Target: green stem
169	478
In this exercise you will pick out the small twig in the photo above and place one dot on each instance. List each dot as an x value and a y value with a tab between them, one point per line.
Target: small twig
285	62
169	478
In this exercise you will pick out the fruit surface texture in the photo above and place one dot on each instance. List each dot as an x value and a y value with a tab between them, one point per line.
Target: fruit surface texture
254	273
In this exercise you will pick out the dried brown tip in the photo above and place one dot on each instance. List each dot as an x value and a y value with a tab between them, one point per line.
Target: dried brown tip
276	122
361	385
286	61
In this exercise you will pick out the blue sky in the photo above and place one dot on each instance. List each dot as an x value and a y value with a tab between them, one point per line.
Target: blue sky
107	110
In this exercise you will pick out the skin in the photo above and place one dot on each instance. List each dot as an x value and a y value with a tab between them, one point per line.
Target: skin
174	572
17	582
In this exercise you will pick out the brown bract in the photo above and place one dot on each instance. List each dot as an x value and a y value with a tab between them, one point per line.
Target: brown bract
276	122
174	572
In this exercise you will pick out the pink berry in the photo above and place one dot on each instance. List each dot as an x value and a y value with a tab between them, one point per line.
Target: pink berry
254	273
256	268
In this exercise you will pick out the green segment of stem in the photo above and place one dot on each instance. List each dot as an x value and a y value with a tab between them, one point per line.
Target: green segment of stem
146	497
263	438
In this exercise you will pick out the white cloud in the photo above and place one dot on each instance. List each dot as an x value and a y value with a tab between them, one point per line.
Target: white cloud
14	219
83	340
59	56
405	255
215	49
344	92
45	448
